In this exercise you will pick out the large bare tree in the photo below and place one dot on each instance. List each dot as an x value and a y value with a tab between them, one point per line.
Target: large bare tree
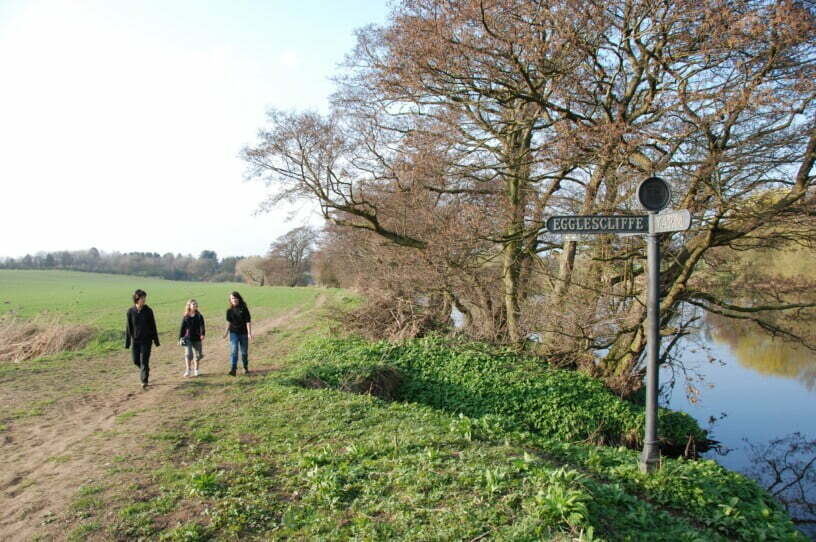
461	125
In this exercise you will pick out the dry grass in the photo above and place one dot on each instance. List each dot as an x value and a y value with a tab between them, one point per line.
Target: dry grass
22	340
392	318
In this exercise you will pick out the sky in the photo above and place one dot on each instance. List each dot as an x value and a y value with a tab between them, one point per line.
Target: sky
121	122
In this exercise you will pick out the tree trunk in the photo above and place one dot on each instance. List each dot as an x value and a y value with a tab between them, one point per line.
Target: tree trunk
510	272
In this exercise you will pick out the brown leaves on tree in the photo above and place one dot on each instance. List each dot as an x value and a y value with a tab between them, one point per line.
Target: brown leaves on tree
459	126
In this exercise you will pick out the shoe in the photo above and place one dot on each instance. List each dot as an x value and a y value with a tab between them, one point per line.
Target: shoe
187	372
232	372
196	373
144	385
246	371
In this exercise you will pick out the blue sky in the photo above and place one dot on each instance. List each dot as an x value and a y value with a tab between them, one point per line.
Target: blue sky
122	121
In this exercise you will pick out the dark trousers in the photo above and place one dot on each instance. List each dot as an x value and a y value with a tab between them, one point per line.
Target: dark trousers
141	358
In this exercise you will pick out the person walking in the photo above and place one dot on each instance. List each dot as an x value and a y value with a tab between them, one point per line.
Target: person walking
140	332
191	335
239	328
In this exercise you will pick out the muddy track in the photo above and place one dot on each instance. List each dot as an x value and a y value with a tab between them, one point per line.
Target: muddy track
45	458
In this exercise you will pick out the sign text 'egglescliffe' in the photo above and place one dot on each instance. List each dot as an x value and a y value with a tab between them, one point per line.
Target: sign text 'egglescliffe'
598	224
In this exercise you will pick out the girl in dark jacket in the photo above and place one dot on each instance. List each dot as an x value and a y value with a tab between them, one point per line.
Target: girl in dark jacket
140	331
239	329
191	335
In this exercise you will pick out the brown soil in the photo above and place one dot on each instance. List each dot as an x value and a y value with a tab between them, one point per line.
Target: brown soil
69	423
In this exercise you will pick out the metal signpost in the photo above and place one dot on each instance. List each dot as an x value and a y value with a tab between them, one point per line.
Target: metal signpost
598	224
672	221
654	194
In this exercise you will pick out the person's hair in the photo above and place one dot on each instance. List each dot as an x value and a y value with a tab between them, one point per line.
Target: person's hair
138	294
187	310
241	303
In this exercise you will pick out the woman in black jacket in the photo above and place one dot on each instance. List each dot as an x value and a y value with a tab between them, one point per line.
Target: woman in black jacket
140	331
239	328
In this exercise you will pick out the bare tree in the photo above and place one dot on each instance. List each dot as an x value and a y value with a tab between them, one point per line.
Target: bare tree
289	257
252	270
460	126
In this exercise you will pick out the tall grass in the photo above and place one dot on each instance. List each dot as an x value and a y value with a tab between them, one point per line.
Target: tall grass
22	340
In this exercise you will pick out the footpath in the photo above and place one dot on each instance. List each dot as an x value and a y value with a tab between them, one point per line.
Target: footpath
67	423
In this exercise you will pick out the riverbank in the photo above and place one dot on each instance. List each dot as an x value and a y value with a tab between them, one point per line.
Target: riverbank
264	458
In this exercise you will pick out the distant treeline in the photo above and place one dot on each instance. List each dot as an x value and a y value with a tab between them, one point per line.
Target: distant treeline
171	266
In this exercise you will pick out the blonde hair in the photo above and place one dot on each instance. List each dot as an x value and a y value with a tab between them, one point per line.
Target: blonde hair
187	310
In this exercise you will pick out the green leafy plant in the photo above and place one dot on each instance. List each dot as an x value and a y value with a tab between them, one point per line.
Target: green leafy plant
499	386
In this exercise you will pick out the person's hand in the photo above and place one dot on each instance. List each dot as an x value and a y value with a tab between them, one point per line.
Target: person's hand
202	338
249	336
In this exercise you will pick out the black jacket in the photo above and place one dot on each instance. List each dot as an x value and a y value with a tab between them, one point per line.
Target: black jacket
141	327
194	324
238	317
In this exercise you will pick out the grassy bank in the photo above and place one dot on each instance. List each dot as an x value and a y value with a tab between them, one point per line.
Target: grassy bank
291	463
325	465
476	380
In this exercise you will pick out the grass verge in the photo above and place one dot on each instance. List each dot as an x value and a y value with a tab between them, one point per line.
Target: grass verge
319	464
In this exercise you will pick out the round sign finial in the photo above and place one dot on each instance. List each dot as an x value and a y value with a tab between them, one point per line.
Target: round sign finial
654	193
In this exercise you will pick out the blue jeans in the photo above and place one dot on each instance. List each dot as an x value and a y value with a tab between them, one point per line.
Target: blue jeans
236	341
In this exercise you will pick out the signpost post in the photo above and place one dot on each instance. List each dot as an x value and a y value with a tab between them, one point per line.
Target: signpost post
654	195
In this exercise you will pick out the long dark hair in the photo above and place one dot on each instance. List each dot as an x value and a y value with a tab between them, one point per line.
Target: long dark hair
241	303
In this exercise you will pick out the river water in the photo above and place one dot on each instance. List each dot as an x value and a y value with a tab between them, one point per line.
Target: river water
756	390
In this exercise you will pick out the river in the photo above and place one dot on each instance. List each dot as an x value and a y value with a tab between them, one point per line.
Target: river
760	392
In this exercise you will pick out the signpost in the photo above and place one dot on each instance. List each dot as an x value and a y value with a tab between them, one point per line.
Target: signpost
598	224
654	195
671	221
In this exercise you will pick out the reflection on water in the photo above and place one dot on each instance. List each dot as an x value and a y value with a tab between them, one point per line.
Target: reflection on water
764	354
785	467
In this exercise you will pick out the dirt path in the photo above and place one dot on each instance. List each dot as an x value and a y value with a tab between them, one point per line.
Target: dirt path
92	413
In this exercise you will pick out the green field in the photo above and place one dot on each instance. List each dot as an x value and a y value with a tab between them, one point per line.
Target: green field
101	300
